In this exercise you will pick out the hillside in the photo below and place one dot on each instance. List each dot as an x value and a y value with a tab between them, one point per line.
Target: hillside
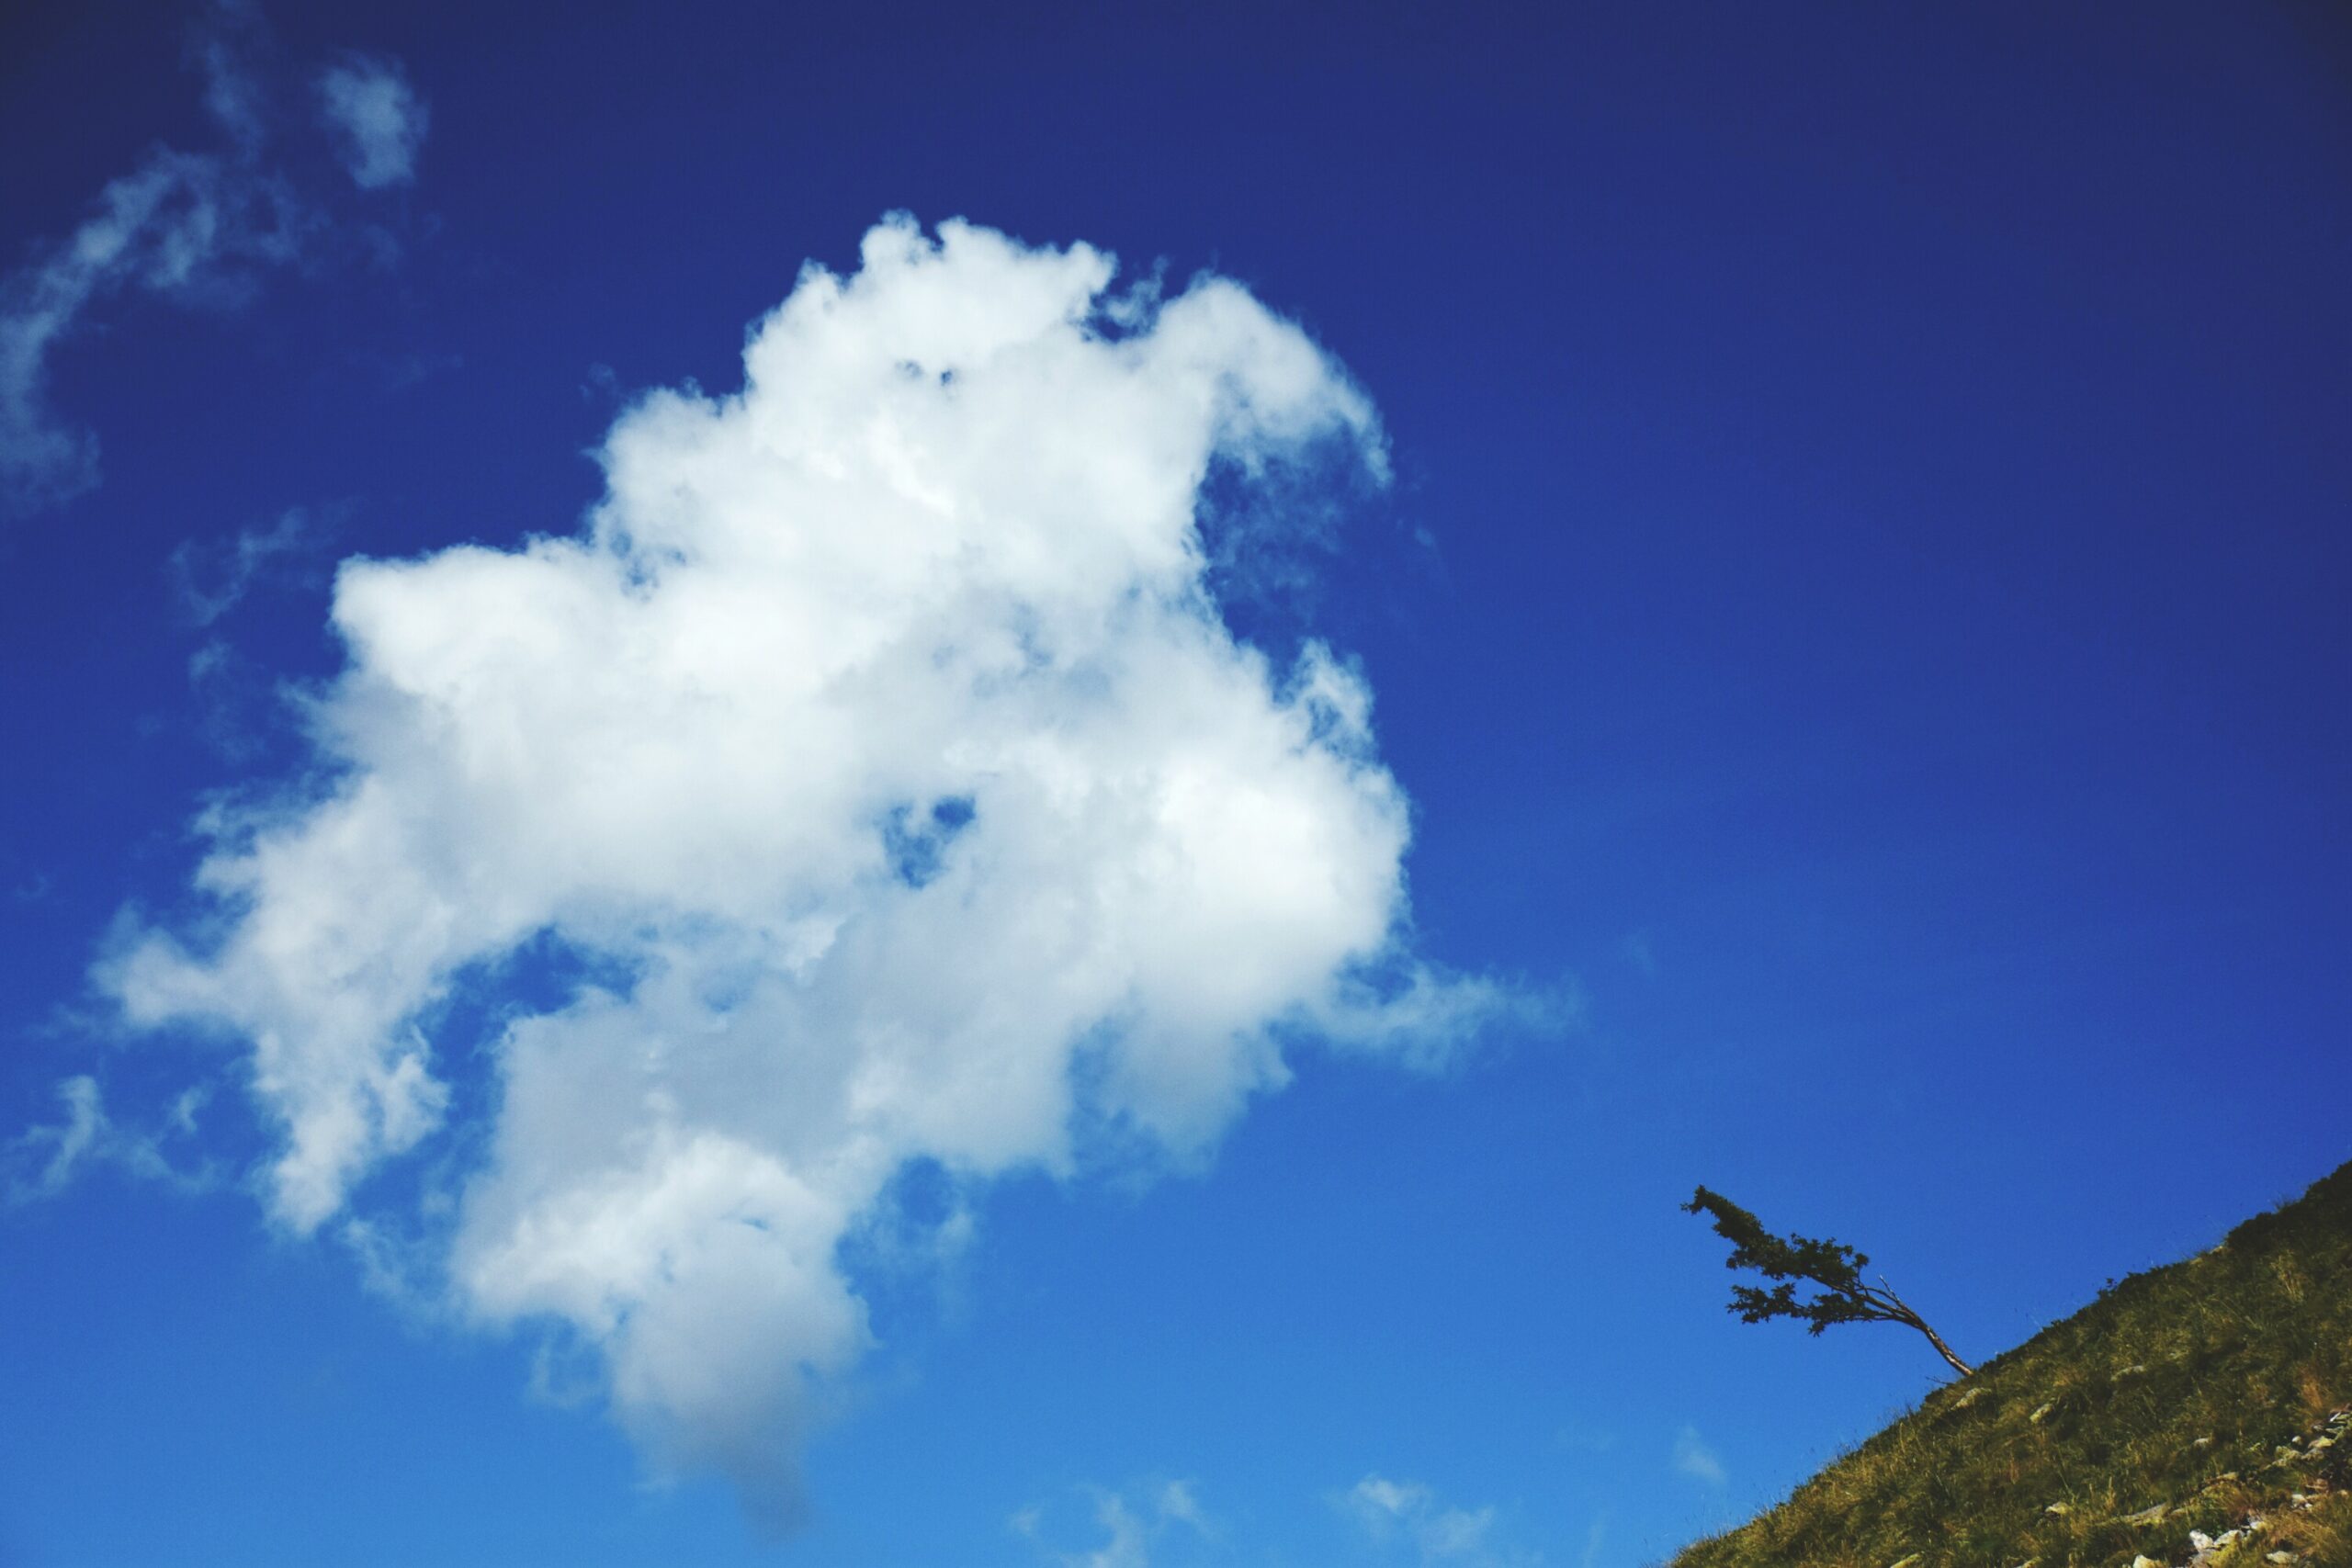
2194	1414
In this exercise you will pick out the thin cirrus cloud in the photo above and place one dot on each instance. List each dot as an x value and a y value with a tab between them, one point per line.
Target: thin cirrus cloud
877	781
193	227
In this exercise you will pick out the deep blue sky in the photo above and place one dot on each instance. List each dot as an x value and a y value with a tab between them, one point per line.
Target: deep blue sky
1864	606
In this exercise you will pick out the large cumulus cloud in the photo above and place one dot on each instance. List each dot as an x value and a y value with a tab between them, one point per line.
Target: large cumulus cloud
881	754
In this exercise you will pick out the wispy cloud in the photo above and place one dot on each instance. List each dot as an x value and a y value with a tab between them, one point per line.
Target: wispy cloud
237	702
1131	1521
45	1161
195	228
1122	1546
1178	1504
1639	954
1595	1537
1410	1514
209	578
881	754
377	119
1694	1458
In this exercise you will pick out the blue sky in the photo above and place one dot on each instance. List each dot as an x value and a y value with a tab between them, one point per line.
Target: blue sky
1768	611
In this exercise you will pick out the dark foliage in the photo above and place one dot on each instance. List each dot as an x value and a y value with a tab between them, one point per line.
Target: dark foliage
1842	1295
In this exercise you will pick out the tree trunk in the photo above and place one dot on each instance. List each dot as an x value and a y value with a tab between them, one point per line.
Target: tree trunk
1904	1313
1963	1368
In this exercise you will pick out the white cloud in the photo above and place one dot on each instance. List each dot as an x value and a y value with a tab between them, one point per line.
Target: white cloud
879	749
170	228
189	227
379	120
1696	1460
1408	1513
1132	1522
43	1161
1123	1545
1177	1501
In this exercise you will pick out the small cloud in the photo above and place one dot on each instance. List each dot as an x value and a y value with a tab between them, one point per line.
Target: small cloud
209	578
1408	1513
182	1117
234	704
224	47
1178	1504
377	116
601	386
1426	1015
1696	1460
1639	954
1122	1546
398	372
1380	1503
43	1161
394	1270
197	228
1131	1520
228	691
61	1150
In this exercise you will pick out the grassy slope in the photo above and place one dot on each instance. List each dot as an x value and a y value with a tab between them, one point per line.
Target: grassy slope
2248	1347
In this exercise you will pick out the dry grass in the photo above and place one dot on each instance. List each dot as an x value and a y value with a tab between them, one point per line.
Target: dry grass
2194	1397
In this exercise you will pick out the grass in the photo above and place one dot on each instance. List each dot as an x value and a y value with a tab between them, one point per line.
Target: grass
2195	1397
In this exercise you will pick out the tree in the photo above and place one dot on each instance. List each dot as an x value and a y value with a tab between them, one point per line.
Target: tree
1833	1266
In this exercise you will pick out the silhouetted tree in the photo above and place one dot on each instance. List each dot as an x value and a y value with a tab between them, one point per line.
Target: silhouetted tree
1833	1266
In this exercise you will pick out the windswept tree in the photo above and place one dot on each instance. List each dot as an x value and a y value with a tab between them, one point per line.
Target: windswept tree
1842	1295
